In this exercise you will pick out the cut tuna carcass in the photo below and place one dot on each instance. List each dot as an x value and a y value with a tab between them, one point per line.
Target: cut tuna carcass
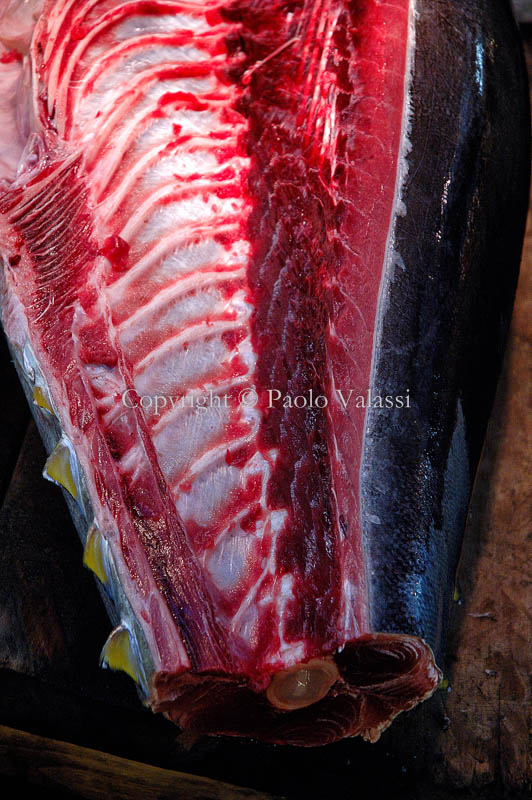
259	260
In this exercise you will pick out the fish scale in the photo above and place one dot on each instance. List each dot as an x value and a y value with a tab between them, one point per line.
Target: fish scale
206	220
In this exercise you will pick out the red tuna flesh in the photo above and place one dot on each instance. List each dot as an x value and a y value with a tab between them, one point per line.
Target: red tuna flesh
197	217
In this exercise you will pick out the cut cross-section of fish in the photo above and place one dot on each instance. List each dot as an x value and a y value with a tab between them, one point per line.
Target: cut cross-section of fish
225	228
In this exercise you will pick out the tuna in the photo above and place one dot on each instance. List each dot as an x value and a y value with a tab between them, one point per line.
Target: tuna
258	266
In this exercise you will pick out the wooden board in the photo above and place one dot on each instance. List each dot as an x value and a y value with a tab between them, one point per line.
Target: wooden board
468	742
93	775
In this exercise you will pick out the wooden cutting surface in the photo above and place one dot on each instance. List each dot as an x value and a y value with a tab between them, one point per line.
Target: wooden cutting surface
78	731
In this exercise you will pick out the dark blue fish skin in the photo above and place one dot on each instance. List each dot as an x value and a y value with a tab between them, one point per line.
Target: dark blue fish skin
445	307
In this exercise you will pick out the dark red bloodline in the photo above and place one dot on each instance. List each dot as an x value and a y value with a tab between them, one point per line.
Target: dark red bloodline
292	229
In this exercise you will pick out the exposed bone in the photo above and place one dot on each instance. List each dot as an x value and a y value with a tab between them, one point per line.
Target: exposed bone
302	685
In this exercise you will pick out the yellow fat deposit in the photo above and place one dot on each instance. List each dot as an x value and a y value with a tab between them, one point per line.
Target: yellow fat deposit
118	653
39	398
58	469
93	557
